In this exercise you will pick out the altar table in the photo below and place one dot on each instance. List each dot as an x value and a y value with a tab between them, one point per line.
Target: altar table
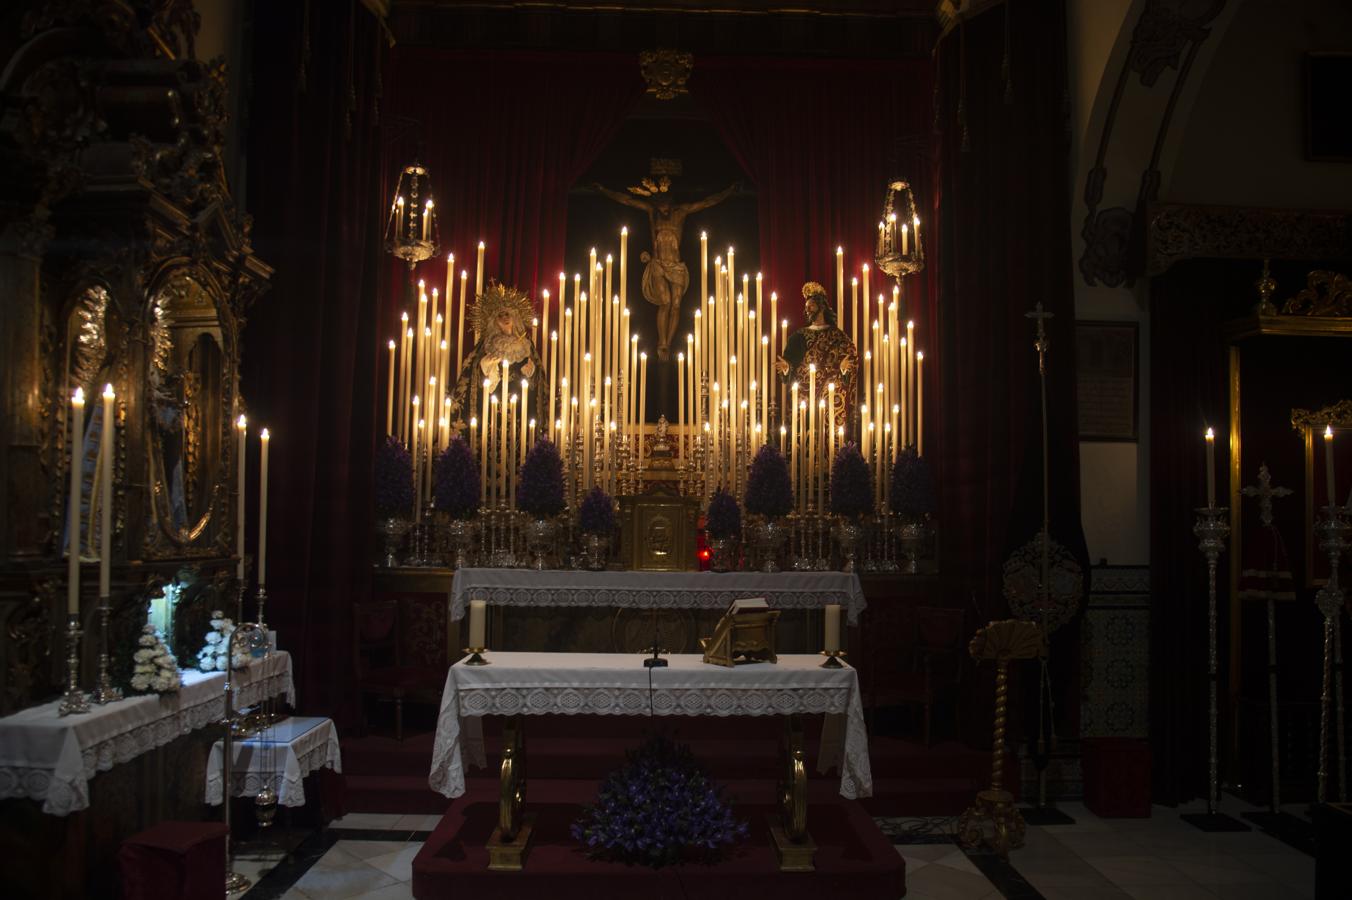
52	758
618	684
655	590
280	756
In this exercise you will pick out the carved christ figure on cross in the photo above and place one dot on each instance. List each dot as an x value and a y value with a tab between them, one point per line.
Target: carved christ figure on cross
665	278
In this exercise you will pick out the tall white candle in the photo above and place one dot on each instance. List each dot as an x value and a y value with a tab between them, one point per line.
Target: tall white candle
460	323
832	635
1210	468
840	287
920	403
77	403
479	273
107	450
264	438
389	395
642	402
477	610
241	450
1328	464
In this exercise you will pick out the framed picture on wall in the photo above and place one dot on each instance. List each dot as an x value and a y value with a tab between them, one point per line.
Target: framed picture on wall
1328	127
1106	380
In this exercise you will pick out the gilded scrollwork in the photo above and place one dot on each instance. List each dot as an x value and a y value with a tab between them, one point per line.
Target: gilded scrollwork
28	637
1178	231
1325	294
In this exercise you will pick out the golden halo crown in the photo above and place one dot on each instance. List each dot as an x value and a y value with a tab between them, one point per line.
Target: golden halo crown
496	300
813	289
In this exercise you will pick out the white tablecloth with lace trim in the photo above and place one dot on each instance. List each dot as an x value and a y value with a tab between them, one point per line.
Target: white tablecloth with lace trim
52	759
617	684
656	590
280	756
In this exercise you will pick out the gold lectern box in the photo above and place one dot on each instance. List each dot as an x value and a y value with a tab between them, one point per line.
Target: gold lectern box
745	634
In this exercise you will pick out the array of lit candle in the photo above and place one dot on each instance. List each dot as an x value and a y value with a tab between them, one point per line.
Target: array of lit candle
730	399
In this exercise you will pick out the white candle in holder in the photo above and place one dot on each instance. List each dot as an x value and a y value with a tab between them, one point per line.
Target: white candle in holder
1210	469
265	437
107	448
1328	464
477	609
241	446
77	402
832	636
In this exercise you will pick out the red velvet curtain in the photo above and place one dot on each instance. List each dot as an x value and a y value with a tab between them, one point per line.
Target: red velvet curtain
820	139
504	136
310	344
1006	248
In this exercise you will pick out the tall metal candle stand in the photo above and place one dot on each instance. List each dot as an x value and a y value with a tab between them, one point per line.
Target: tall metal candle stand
1333	531
1211	530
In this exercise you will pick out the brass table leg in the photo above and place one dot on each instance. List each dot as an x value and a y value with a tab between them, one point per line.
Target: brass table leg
996	805
793	845
510	842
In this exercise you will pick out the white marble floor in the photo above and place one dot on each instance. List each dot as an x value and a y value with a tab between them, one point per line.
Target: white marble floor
1159	858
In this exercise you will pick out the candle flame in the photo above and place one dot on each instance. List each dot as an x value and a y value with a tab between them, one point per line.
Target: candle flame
266	435
481	245
420	287
865	267
624	229
920	356
108	392
391	344
241	423
404	316
77	398
473	421
1328	432
644	355
1210	435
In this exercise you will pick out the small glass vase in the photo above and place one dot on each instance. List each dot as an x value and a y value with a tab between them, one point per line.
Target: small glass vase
769	537
540	540
392	531
848	533
722	554
460	535
596	547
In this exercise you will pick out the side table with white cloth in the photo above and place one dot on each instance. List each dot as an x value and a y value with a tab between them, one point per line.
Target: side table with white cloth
52	759
518	684
280	756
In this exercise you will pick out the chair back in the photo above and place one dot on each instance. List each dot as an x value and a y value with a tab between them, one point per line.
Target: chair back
375	630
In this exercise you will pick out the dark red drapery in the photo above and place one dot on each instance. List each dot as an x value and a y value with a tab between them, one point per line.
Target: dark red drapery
504	136
820	139
310	344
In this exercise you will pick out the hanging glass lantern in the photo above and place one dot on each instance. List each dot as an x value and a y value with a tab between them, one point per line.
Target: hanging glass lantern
411	230
899	251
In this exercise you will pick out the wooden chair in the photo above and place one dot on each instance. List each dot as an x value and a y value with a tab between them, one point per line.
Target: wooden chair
398	655
932	641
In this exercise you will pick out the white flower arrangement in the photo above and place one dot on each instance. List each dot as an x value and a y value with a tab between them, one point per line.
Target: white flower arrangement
211	658
156	670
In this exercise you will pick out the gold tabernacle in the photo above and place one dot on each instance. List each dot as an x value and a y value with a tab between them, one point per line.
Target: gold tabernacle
746	633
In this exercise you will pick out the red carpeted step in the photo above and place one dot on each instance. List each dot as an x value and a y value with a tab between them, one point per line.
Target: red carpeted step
854	859
406	794
921	796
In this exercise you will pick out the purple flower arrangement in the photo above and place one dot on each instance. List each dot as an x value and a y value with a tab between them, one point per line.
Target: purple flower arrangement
724	519
912	489
659	809
394	480
457	480
540	492
851	483
768	489
597	513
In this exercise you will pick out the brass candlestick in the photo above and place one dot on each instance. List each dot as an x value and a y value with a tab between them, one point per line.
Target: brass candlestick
476	656
104	689
74	701
832	659
262	601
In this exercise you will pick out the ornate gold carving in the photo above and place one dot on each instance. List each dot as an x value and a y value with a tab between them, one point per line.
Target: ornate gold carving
1176	232
666	72
28	638
1339	414
1325	294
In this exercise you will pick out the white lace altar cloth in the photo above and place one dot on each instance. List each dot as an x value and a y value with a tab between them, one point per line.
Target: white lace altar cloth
280	756
52	759
616	684
656	590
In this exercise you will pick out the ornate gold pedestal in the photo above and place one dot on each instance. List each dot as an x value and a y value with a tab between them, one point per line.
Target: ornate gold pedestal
509	844
996	809
793	845
1001	641
510	855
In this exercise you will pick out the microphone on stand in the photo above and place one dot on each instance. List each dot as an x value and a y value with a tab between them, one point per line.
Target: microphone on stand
655	661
